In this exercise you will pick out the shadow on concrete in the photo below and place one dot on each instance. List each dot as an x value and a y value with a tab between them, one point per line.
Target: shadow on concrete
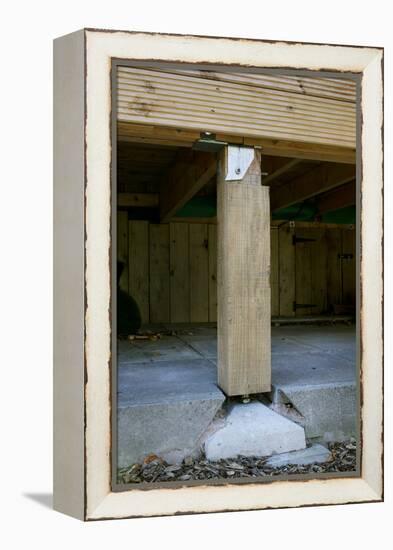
45	499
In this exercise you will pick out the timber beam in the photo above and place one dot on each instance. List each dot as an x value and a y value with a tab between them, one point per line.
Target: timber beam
143	200
341	197
181	137
319	180
284	166
192	170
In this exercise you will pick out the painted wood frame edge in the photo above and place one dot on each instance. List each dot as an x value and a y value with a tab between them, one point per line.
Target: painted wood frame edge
88	431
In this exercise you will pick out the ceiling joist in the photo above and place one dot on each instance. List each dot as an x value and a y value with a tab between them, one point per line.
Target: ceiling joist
141	200
319	180
181	137
191	172
284	167
341	197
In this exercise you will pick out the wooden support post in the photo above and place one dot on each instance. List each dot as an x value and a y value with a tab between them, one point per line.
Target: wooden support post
244	354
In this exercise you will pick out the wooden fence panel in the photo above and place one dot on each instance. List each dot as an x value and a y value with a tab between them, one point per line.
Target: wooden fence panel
159	273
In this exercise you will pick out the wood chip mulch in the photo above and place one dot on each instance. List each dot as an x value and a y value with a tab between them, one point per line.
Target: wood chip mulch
154	469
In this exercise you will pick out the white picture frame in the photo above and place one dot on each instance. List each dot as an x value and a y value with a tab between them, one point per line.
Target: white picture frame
82	382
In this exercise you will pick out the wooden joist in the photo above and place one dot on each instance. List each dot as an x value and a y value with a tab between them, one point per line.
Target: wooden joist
319	180
185	137
145	200
191	172
280	170
341	197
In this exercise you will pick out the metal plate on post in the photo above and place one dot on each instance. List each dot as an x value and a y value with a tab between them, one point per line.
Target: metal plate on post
239	161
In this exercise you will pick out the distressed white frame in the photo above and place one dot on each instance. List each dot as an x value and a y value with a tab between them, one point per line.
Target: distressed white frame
101	47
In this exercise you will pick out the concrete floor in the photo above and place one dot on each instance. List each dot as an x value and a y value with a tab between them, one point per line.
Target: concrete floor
301	355
313	369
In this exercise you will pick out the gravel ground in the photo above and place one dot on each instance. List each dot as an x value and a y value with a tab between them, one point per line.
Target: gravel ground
155	469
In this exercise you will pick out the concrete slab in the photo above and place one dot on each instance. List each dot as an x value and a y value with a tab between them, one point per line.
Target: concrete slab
314	369
254	430
316	454
338	341
329	410
164	408
167	348
166	381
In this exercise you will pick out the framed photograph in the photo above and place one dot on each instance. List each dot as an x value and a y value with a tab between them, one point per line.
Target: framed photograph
218	251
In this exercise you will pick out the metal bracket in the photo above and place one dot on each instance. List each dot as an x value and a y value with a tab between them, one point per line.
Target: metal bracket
239	161
208	142
345	256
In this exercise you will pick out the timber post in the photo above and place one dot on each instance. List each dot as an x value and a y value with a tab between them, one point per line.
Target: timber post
244	330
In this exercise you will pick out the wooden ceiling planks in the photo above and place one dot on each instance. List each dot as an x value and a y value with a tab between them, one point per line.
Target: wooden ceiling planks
317	110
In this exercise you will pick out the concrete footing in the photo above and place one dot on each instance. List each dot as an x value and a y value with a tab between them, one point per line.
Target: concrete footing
254	430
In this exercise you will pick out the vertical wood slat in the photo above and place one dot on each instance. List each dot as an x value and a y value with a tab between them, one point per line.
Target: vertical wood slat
334	275
244	355
274	272
318	270
319	283
212	273
199	293
311	271
122	246
179	273
286	271
138	265
303	274
159	273
349	267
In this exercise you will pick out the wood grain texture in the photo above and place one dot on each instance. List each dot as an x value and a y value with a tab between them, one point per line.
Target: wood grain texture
322	178
131	132
244	355
159	273
192	171
319	270
212	237
311	271
145	200
199	261
138	265
179	272
274	272
195	100
341	197
286	271
334	273
303	275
